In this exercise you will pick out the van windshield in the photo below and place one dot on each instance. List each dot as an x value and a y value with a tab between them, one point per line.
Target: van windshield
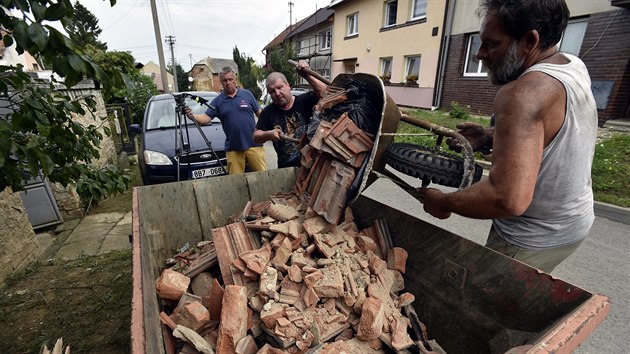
161	113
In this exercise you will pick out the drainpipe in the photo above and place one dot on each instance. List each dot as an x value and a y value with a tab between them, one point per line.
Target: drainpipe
448	28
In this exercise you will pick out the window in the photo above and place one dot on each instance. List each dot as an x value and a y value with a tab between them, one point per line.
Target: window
35	66
324	72
324	39
303	47
386	67
473	66
573	35
418	9
413	68
353	25
391	9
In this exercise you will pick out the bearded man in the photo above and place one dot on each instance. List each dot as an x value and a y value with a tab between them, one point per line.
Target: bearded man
538	193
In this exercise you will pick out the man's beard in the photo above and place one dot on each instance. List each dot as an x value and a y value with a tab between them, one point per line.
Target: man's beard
509	68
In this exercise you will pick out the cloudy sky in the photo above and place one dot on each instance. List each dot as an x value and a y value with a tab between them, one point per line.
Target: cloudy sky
201	28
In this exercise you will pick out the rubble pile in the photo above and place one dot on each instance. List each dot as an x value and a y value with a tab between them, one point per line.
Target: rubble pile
308	283
296	273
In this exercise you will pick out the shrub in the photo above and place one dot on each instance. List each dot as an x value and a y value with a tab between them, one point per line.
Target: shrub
459	112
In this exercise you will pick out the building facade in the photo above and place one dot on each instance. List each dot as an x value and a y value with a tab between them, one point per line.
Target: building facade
598	33
398	40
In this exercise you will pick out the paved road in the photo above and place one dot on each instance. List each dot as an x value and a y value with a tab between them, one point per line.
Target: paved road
601	264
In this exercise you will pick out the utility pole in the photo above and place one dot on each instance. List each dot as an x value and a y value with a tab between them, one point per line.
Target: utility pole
291	15
158	42
171	41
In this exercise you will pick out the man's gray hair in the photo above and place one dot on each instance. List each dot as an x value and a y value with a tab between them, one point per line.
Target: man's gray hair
225	70
274	76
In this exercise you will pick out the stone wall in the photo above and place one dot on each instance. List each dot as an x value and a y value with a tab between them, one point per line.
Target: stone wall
19	247
67	198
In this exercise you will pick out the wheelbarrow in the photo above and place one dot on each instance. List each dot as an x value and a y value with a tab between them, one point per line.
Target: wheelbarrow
429	164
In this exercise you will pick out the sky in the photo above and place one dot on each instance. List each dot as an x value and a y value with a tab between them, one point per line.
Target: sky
202	28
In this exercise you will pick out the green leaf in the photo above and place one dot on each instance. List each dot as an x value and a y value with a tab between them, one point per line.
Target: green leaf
38	35
7	40
56	12
58	40
61	66
22	5
38	10
76	62
20	34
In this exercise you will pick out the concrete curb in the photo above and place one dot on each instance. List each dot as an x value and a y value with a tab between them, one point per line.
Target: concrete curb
613	212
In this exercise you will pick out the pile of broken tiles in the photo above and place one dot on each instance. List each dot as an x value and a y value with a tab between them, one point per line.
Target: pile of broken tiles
299	277
310	282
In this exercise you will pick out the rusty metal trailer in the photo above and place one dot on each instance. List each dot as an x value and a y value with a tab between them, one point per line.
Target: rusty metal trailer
472	299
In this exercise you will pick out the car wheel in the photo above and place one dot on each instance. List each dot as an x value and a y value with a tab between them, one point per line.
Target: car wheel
427	164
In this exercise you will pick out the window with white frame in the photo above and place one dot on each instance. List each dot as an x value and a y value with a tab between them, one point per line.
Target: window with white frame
324	72
324	39
386	67
418	9
353	25
571	41
473	66
391	10
412	69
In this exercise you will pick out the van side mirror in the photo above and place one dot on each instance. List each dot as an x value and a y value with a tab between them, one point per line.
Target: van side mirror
135	129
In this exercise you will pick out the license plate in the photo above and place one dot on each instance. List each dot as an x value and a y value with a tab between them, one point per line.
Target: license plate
207	172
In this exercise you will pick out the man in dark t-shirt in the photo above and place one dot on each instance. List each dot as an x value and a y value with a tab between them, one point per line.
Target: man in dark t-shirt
288	115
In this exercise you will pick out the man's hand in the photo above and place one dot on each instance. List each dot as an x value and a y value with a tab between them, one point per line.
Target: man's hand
473	132
189	113
302	64
432	200
274	134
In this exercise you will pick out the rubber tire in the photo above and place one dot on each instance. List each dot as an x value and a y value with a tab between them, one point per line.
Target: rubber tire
424	163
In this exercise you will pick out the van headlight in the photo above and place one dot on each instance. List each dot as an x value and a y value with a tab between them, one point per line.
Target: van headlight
156	158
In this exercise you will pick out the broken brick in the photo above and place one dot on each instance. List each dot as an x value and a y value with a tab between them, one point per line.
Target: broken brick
268	282
397	259
246	345
330	284
194	316
282	212
171	284
234	317
270	313
371	324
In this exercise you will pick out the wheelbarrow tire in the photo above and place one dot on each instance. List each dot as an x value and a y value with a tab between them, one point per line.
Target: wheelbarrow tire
427	164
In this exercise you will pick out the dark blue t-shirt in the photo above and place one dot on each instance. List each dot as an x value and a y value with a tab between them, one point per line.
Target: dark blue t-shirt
237	117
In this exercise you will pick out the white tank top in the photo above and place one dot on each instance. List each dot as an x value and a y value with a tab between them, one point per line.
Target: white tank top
561	212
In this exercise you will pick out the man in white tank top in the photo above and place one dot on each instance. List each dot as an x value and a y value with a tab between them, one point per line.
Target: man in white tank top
538	193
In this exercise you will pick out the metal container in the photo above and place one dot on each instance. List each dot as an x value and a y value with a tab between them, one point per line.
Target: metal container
472	299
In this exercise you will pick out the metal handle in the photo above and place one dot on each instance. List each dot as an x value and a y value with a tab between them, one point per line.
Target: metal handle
469	157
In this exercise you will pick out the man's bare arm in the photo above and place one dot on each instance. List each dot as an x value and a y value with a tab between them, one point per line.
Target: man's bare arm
522	109
202	119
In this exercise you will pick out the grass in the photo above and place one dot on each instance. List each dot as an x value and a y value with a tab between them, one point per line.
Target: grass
611	170
85	301
611	164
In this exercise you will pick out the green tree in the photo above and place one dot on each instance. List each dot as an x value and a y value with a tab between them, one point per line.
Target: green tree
137	94
182	77
37	132
248	72
279	61
83	28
